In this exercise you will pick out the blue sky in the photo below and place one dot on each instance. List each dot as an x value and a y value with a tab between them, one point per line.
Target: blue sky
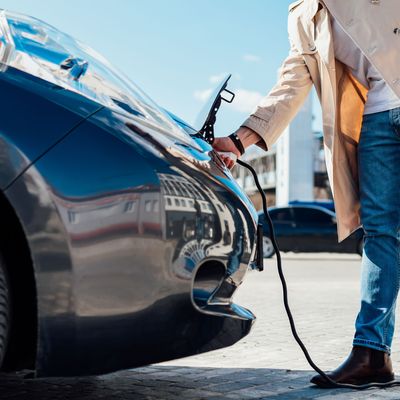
176	50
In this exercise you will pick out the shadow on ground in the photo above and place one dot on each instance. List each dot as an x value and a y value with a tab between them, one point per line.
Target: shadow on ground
169	383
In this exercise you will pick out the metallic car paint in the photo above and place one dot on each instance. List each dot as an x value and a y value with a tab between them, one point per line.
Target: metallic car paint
34	115
118	217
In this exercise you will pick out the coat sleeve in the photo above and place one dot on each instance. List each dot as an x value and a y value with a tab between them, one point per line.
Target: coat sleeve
275	111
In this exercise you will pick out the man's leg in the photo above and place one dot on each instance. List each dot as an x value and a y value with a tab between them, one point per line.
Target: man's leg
379	171
379	165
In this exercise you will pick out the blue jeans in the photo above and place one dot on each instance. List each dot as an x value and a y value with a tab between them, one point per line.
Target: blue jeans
379	173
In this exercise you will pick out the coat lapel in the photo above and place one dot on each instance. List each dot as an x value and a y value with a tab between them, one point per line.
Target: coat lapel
323	34
312	9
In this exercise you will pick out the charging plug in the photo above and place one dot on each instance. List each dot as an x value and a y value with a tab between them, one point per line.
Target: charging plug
229	154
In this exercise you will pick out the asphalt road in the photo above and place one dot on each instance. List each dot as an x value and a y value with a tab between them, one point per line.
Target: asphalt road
267	364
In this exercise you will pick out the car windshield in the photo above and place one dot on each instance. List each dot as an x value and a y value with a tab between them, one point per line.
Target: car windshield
39	49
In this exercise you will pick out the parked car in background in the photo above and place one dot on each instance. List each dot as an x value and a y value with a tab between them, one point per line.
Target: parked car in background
329	204
123	235
307	228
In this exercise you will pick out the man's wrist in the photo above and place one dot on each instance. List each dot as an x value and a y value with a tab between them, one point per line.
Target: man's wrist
247	136
237	142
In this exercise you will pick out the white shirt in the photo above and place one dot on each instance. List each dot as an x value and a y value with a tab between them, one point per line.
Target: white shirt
380	96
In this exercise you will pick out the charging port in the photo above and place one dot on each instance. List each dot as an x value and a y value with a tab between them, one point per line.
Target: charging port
207	280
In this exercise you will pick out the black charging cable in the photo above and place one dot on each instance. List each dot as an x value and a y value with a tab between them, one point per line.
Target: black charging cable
328	380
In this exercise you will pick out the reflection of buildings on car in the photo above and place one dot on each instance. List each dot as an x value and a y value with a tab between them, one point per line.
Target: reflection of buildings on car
137	211
178	209
140	211
293	169
189	215
192	212
183	200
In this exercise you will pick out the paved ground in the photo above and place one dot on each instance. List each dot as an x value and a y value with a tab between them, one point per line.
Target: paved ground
265	365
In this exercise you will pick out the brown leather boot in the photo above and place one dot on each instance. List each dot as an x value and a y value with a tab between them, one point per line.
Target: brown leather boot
364	365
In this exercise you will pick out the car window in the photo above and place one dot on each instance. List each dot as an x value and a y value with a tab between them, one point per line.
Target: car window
306	215
281	215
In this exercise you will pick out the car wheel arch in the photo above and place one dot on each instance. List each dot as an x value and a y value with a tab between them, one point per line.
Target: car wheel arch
21	352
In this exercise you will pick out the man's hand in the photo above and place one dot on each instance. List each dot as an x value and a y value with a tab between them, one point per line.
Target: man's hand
246	135
225	144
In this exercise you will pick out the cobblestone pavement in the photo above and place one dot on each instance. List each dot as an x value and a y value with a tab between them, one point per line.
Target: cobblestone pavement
267	364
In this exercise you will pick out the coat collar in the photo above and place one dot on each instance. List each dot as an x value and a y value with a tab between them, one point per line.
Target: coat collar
312	8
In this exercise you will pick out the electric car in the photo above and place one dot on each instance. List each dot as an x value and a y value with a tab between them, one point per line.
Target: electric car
123	235
307	228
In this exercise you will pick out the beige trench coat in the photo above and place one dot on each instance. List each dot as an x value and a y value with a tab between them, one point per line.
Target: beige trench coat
372	25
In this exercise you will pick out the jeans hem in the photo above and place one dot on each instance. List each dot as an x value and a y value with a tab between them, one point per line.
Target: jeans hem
371	345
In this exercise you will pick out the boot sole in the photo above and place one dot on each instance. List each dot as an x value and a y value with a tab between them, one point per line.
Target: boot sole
387	381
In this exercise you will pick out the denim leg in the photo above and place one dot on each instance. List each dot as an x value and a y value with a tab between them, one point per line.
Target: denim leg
379	172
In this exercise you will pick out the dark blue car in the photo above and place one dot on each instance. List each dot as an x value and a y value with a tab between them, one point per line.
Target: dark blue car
307	228
123	236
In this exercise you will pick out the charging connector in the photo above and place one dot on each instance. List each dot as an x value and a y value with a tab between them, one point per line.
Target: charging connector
229	154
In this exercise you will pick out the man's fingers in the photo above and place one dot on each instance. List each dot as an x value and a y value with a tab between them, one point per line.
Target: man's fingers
228	161
225	159
224	144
